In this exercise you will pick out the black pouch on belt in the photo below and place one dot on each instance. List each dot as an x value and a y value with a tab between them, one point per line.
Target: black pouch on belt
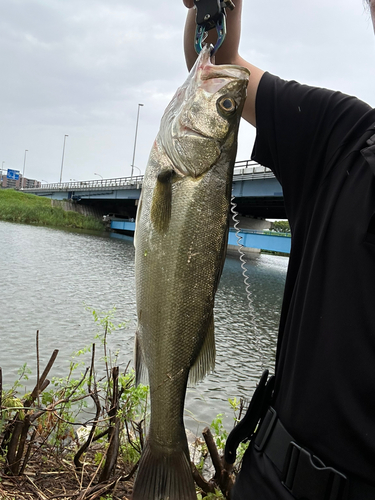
245	429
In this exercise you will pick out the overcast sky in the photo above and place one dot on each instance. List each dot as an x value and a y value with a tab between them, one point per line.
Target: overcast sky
80	67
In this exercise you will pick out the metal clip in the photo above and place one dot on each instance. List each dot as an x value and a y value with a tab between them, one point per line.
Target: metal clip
210	14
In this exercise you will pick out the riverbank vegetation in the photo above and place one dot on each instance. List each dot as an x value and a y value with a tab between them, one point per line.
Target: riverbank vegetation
80	436
16	206
281	226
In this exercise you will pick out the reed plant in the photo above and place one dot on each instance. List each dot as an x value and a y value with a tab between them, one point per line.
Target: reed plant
92	448
16	206
53	432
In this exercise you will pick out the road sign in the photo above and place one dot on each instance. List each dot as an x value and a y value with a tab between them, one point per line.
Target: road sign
13	174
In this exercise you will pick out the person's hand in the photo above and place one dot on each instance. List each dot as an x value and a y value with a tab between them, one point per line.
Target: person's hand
189	3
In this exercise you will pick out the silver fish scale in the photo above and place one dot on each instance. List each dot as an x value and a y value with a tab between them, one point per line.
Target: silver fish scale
180	240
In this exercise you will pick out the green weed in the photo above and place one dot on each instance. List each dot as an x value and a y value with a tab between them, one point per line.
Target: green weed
211	496
16	206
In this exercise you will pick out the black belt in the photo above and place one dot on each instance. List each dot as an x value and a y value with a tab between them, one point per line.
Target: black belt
303	474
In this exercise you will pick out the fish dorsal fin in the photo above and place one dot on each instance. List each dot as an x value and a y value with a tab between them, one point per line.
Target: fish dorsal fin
161	206
141	372
205	362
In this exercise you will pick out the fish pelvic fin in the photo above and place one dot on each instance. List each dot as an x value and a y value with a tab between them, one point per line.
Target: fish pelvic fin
164	476
141	372
161	207
205	362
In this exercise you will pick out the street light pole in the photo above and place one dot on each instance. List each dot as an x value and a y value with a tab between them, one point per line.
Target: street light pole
1	173
62	161
99	176
23	171
135	139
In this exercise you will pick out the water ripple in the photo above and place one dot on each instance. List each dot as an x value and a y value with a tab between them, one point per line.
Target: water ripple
48	276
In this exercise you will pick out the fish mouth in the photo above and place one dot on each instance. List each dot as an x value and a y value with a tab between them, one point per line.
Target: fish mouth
225	71
191	132
209	70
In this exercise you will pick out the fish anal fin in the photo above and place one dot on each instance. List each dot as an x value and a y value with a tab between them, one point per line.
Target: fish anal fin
141	373
161	207
164	475
205	362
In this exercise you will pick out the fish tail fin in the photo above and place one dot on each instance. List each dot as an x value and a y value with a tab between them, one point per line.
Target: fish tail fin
163	476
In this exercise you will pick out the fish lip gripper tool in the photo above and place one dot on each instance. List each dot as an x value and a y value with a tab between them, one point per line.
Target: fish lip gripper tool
210	14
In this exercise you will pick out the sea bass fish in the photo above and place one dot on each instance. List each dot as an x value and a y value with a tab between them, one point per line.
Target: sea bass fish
180	245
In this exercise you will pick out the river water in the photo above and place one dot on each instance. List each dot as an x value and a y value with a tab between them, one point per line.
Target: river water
50	277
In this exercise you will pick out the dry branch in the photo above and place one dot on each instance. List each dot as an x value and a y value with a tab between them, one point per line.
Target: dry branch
18	428
222	477
95	398
114	430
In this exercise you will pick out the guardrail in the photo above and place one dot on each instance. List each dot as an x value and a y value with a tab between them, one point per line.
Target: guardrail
118	182
263	232
243	170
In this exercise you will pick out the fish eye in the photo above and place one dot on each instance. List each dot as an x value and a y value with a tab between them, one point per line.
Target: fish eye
227	104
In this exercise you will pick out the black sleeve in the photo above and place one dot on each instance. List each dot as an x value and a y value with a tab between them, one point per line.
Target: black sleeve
299	131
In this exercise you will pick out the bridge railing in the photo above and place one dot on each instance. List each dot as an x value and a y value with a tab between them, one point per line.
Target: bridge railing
248	168
242	170
117	182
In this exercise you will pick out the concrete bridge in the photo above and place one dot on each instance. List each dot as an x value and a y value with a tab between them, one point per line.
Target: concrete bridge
256	190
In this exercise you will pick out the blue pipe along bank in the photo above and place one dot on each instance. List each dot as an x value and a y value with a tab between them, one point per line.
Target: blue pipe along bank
249	239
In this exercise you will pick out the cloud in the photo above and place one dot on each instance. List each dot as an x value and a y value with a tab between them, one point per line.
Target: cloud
80	67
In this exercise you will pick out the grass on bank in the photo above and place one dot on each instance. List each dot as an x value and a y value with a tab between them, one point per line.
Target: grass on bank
16	206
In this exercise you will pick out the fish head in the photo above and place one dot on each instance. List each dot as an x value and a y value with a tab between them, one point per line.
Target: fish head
201	122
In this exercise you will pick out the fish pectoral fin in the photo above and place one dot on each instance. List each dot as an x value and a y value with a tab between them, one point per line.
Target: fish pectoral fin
205	362
161	206
141	372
